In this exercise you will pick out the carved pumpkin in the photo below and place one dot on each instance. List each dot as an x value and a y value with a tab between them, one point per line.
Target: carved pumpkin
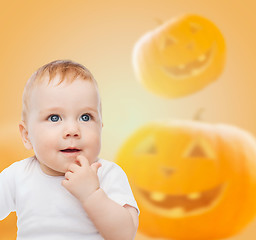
192	181
179	57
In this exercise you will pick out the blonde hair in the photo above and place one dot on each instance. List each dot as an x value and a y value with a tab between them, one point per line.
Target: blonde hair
67	70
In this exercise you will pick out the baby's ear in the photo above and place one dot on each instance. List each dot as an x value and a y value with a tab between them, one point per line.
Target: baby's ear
24	135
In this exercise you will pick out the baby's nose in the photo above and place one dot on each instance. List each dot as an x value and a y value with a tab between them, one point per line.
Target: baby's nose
72	131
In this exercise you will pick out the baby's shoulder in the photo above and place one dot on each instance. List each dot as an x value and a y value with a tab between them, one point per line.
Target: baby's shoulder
112	178
108	166
20	166
109	169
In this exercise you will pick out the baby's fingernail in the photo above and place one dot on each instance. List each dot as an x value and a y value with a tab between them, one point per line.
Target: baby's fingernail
78	163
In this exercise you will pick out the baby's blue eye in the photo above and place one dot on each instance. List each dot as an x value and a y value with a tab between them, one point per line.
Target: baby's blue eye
54	118
85	117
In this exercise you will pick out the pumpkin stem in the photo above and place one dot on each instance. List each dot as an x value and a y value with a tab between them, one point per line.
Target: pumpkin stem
198	114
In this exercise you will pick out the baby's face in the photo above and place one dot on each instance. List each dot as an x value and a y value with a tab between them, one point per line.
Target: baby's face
64	121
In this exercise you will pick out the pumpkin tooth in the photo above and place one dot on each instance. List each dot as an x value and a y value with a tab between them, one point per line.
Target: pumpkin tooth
177	212
201	58
194	196
195	72
157	196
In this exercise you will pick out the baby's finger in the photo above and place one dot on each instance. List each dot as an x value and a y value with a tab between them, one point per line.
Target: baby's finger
83	161
68	175
73	167
64	183
95	166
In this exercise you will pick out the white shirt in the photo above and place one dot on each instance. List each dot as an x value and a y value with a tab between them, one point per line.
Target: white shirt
46	210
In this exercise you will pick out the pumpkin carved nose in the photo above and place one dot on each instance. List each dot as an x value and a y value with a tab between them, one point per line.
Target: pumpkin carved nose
167	171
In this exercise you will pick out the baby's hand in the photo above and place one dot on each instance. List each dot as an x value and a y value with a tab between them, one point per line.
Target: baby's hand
82	181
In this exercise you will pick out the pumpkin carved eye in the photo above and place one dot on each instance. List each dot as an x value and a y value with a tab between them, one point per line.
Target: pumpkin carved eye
148	146
167	42
199	149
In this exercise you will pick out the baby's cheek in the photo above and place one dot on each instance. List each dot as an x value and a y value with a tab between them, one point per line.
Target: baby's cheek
97	146
45	145
94	147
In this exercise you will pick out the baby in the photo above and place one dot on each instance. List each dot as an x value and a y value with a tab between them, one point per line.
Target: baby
65	191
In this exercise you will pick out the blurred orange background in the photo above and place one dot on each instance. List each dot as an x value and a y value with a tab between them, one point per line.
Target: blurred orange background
101	36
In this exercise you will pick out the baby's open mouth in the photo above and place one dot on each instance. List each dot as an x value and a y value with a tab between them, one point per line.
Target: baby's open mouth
70	150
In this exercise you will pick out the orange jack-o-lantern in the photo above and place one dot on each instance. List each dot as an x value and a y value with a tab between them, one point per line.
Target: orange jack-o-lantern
180	57
192	181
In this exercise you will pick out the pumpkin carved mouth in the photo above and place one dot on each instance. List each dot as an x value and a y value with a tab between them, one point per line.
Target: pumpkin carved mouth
191	68
184	204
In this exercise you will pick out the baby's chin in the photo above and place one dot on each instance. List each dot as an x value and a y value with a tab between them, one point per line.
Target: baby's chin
52	172
57	172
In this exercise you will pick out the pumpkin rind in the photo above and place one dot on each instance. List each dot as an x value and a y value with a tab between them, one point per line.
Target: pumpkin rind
179	57
216	187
